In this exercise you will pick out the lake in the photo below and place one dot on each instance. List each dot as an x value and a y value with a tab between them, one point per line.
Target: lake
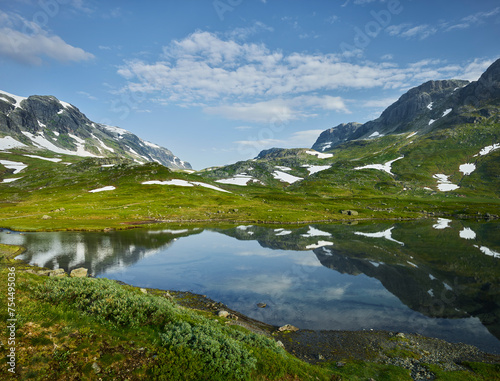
438	278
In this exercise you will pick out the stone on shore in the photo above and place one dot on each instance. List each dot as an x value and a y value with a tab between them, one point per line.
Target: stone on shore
79	273
288	327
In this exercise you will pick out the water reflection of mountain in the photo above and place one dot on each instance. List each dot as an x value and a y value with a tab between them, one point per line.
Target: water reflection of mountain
442	269
99	252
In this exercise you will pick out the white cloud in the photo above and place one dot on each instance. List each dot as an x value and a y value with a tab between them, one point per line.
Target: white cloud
303	139
250	82
279	109
409	31
468	21
26	42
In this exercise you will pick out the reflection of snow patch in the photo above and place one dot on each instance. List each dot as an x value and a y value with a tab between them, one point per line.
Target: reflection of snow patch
413	264
444	185
442	223
282	231
382	167
387	234
467	169
313	232
467	233
488	149
432	277
319	244
430	292
488	251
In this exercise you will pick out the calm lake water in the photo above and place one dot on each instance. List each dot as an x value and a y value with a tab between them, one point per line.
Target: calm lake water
438	278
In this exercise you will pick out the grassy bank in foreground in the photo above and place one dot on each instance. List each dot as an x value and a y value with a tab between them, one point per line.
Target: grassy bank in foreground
84	328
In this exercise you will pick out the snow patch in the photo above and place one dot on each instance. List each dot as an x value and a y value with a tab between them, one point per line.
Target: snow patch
42	142
10	180
282	168
411	135
116	130
381	167
467	169
286	177
375	135
9	142
319	154
150	144
442	223
387	234
240	179
103	189
431	121
16	166
444	185
66	105
429	106
315	168
17	98
52	159
184	183
447	111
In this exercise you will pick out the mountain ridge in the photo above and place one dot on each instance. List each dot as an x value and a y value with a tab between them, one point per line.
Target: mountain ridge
47	123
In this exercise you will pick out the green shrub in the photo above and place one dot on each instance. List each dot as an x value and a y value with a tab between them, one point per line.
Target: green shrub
107	301
222	355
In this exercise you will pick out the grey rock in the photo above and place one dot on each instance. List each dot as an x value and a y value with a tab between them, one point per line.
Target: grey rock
79	273
58	273
46	217
223	314
288	328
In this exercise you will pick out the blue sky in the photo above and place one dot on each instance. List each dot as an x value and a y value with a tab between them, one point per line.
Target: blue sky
218	81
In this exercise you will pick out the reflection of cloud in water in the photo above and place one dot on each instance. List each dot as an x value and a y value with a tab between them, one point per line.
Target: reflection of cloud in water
263	284
387	234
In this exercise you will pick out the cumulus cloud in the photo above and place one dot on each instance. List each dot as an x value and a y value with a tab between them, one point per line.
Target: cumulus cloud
24	41
250	82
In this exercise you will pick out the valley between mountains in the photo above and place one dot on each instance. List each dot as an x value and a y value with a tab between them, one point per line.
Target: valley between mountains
434	152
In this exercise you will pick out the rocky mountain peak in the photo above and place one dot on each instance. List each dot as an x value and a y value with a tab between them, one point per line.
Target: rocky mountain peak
45	122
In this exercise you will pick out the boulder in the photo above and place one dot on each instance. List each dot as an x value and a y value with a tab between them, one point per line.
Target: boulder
79	273
58	272
223	314
288	327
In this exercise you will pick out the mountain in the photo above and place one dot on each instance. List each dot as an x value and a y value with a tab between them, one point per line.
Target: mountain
415	110
46	123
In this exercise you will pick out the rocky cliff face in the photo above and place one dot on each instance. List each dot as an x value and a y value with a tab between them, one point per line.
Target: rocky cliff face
44	122
335	136
423	108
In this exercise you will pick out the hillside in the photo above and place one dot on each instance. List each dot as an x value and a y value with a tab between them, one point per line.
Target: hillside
44	123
